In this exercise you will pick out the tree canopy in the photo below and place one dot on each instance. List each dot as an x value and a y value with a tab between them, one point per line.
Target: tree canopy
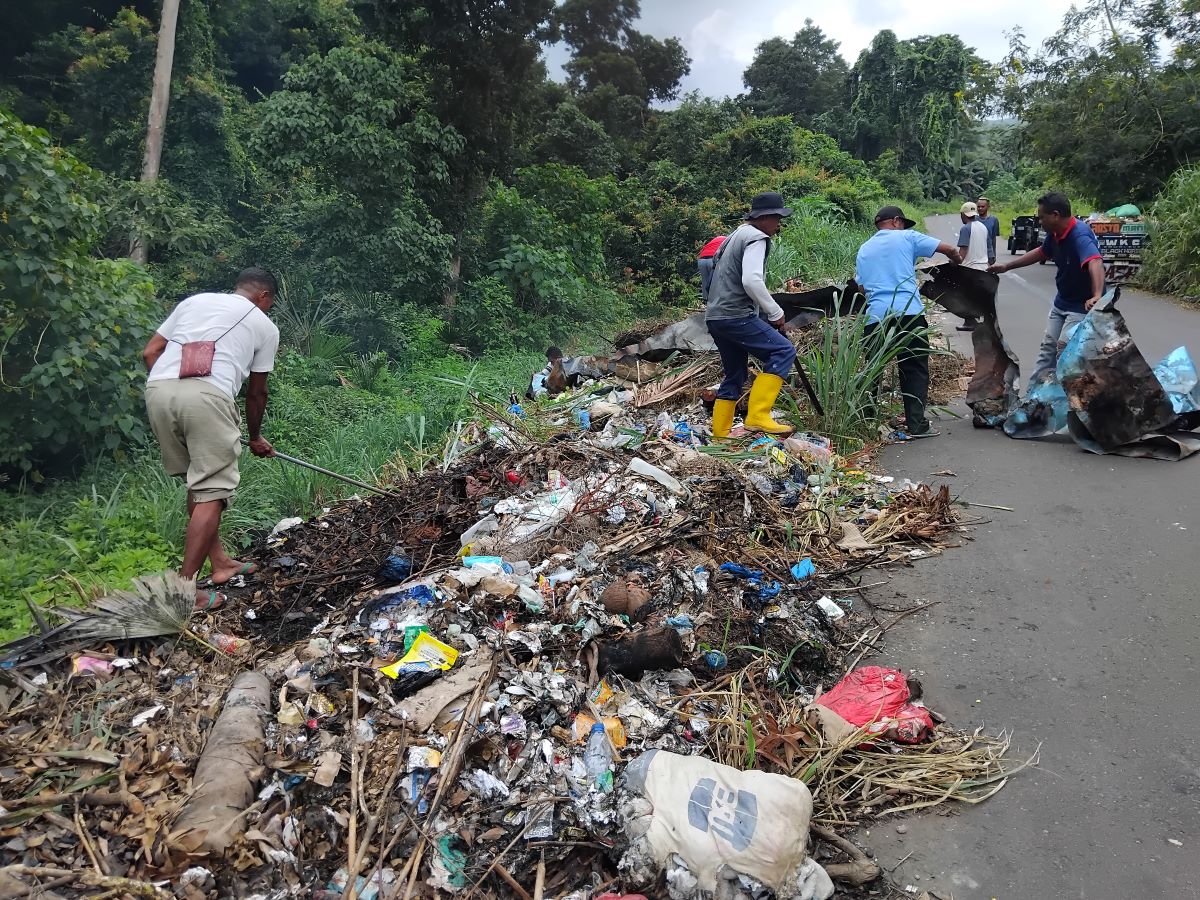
804	78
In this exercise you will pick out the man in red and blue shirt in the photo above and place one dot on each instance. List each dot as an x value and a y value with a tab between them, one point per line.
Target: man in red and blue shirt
706	264
1073	248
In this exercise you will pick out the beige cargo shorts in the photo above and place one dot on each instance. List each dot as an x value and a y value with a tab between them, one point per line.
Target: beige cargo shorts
199	433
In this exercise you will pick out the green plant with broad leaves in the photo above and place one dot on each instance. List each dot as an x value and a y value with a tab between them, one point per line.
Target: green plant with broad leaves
71	325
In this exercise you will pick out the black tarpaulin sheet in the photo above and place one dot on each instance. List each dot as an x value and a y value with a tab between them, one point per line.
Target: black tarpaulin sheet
971	293
1117	404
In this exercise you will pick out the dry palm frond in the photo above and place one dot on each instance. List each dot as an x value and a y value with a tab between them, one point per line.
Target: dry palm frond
859	777
917	514
157	605
686	379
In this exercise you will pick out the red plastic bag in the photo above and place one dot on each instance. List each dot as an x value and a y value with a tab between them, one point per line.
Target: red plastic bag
878	699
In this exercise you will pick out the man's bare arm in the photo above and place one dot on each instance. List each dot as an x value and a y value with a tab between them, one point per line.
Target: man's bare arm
1033	257
1096	271
153	350
256	405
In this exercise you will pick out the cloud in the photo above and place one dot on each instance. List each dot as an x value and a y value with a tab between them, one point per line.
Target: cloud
721	36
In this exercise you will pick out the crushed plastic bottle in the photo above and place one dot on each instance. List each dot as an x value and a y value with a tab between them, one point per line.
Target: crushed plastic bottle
228	643
597	758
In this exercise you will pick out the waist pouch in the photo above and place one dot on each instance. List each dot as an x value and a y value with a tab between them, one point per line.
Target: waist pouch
196	357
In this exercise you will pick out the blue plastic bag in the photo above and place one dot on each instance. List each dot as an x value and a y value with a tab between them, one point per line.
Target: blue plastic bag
804	569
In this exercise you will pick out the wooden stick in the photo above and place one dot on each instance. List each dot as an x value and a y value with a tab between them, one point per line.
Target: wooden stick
503	853
91	798
452	762
987	506
351	889
539	884
355	863
512	882
110	882
41	889
909	612
86	843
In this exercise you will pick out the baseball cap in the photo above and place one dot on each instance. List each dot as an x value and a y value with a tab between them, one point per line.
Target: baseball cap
969	209
893	212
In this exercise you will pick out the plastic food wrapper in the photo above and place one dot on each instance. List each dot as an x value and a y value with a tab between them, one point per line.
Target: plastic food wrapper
832	611
714	819
582	727
91	665
879	700
810	446
426	654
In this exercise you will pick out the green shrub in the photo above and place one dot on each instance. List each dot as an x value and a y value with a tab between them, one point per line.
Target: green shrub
71	326
816	245
1172	262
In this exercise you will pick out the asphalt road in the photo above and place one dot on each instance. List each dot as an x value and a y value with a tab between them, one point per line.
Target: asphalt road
1074	623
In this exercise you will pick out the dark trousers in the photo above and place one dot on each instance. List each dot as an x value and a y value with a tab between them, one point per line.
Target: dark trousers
739	339
913	363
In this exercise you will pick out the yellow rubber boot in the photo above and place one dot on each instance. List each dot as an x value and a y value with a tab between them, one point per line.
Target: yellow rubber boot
722	417
762	399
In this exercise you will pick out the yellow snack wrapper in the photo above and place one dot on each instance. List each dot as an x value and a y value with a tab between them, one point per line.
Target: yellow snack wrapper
426	654
612	727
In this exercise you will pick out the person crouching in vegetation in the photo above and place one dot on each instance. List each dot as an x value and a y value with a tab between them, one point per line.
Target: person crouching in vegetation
197	360
885	270
736	296
550	380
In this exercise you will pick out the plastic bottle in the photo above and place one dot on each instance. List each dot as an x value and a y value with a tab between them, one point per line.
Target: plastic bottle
228	643
597	757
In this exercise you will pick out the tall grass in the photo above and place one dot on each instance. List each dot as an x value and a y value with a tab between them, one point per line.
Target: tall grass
845	368
117	520
1172	261
817	244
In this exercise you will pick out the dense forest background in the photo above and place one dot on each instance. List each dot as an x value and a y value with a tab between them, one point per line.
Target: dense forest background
439	209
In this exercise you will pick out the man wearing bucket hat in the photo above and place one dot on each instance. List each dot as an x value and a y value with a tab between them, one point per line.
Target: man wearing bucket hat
886	272
736	297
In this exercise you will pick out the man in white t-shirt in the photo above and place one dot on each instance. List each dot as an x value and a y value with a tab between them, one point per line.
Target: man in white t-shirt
197	361
973	245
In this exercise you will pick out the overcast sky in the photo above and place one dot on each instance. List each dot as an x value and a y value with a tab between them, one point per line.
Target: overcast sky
720	35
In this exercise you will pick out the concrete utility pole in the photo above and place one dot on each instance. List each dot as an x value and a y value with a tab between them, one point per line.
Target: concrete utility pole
160	95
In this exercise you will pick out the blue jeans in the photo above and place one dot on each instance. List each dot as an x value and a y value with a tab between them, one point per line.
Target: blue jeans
739	339
1048	353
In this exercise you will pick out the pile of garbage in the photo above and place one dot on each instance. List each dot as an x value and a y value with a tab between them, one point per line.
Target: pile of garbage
1103	392
587	652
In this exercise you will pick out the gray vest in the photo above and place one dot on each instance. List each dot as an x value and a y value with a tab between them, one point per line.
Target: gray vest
727	299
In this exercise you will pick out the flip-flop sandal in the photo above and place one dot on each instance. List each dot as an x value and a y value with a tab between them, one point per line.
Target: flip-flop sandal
249	568
213	600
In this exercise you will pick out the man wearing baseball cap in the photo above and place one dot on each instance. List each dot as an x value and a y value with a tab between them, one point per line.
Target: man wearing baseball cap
886	273
736	296
973	245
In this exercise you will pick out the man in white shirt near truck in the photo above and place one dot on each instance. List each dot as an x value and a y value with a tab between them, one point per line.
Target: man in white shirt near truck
197	361
973	245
